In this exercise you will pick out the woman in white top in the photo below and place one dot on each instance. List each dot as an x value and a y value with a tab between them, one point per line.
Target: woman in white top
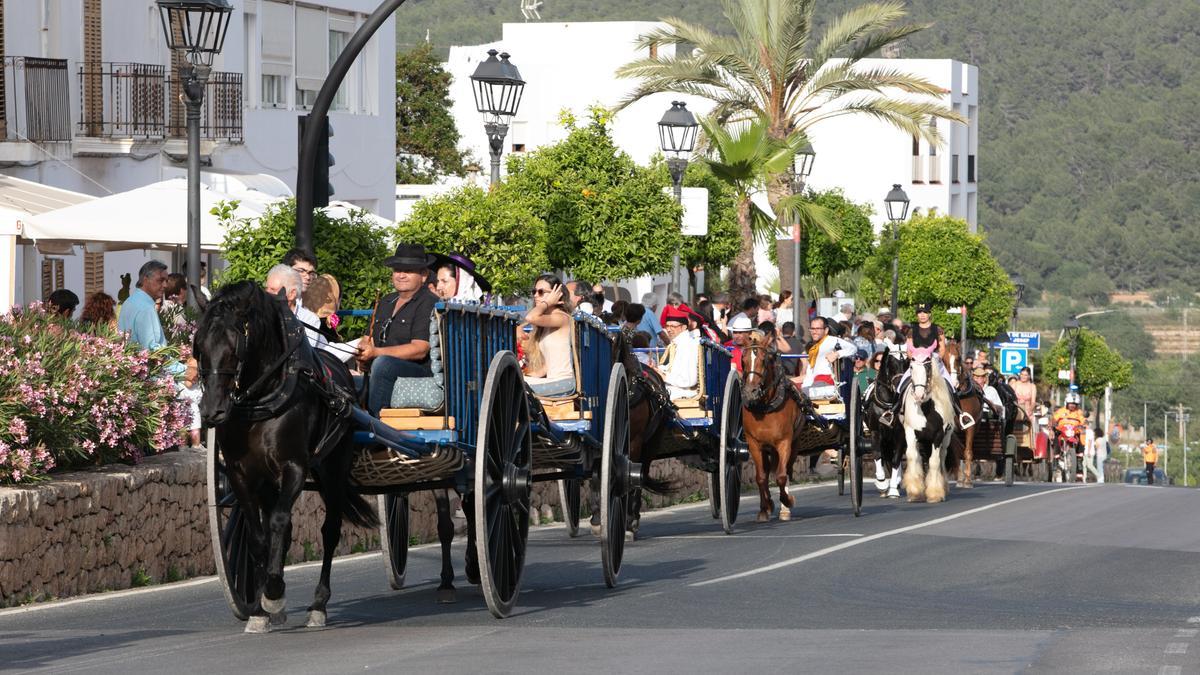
549	368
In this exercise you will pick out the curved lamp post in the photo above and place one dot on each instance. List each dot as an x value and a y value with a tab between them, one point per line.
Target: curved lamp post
195	28
677	138
1072	329
497	86
897	203
1019	292
802	165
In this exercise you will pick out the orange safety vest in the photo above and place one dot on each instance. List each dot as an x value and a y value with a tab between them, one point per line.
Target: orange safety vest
1150	454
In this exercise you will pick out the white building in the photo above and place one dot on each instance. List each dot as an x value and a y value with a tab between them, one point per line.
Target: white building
91	105
571	66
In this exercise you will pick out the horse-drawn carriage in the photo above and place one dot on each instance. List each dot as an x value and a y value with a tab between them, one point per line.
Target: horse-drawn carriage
486	436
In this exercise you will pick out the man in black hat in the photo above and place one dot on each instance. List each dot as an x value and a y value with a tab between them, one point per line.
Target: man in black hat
398	345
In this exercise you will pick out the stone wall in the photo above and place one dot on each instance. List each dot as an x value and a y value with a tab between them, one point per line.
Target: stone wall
119	526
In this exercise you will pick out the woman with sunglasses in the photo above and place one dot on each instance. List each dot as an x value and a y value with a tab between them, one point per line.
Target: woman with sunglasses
549	368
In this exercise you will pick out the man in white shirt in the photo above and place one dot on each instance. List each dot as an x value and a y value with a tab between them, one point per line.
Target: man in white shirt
990	395
824	352
283	277
679	366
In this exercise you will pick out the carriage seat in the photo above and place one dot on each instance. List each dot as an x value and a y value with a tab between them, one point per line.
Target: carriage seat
417	402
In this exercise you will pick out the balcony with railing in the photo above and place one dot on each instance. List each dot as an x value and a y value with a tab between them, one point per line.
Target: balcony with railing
122	101
220	113
36	108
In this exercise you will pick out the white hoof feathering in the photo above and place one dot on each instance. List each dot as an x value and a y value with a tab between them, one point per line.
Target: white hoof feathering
785	513
273	606
316	619
258	625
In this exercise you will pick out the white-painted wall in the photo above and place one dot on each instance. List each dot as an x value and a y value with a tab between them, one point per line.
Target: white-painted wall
363	143
572	66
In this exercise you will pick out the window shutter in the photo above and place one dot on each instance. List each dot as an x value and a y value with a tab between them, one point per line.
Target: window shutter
277	33
312	58
93	273
93	78
53	276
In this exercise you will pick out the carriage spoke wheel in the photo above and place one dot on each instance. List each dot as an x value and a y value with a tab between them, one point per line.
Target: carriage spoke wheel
714	493
855	451
503	474
729	464
841	470
393	535
229	534
615	483
568	498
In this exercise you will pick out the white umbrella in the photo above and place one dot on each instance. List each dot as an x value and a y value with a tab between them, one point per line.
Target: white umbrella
154	215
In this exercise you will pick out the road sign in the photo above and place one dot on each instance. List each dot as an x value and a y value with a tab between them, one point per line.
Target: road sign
1021	340
1013	359
695	211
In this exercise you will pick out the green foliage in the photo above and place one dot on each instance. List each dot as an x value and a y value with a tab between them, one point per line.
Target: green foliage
140	578
495	229
426	137
942	263
721	244
1096	364
606	217
351	249
824	257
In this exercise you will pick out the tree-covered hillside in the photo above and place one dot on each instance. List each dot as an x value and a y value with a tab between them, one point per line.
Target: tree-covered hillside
1090	159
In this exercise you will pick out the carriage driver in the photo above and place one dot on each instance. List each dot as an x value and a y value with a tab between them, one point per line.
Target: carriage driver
679	365
824	351
399	341
990	395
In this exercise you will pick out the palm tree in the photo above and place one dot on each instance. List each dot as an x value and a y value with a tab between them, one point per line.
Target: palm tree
773	69
746	159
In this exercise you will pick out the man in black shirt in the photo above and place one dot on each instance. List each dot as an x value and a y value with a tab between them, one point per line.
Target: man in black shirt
399	342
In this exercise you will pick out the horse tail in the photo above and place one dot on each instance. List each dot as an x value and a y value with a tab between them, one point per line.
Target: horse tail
358	511
658	486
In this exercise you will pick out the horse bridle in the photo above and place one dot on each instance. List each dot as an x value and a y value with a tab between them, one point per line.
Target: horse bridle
239	354
775	393
927	364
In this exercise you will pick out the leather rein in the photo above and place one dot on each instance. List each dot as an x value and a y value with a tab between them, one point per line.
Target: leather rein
781	387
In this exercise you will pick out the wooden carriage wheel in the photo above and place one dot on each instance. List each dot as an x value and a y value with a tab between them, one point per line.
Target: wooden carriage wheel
503	473
230	537
615	484
393	537
729	463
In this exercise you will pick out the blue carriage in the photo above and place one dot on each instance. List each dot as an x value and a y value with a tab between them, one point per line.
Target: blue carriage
473	427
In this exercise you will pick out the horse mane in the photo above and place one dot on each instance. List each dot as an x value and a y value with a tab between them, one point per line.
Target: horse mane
244	302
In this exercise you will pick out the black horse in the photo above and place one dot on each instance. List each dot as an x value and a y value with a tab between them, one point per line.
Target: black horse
881	397
279	410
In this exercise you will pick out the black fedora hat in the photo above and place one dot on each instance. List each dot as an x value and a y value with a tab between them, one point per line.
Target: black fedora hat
410	256
465	264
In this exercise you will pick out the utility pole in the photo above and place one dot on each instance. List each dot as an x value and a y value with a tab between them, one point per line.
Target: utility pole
1145	428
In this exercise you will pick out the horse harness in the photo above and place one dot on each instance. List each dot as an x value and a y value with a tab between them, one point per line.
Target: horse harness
784	389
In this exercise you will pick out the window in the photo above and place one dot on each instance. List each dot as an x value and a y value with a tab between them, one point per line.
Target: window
970	168
337	43
518	147
53	276
918	175
277	52
312	62
954	168
250	72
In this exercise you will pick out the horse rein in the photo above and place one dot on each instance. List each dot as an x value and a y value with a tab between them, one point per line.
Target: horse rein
240	355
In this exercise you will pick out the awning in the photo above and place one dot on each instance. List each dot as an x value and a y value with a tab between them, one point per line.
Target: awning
146	217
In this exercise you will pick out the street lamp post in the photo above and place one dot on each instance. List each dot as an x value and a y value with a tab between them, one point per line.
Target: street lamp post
1019	285
195	28
1072	329
802	166
677	138
897	211
497	86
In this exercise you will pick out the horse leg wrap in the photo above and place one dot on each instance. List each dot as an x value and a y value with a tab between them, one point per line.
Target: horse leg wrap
316	619
273	606
258	625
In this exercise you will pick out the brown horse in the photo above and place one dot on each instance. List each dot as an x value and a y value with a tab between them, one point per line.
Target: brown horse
774	413
970	401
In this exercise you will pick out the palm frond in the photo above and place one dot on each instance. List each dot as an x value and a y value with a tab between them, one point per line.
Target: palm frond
870	44
854	25
911	117
797	209
677	31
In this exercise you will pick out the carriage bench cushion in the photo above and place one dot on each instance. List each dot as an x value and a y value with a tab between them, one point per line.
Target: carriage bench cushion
426	393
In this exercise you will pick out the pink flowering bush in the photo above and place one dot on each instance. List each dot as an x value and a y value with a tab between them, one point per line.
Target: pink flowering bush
74	397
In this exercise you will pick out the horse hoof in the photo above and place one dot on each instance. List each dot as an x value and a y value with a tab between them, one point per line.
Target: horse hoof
893	494
596	530
273	606
785	513
258	625
630	535
913	499
316	619
279	619
763	517
447	596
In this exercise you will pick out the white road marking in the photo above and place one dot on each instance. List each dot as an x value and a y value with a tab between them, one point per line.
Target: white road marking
758	536
1177	648
1193	619
1170	670
880	535
651	595
1186	632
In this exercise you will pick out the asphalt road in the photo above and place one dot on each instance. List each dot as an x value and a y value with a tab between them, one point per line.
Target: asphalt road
1029	578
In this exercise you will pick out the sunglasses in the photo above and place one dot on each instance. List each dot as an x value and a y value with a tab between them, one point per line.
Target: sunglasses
541	291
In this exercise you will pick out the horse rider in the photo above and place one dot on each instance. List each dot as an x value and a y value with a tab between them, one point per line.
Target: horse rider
927	340
991	397
679	365
823	351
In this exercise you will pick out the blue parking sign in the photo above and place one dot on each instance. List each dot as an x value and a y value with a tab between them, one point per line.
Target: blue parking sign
1013	359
